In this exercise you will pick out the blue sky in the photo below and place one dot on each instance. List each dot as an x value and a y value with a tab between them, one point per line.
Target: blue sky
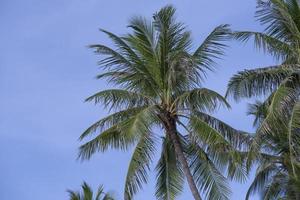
46	72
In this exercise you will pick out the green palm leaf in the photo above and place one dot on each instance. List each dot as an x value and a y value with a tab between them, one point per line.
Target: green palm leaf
117	98
122	135
260	81
262	177
215	185
201	99
169	177
212	47
139	165
277	48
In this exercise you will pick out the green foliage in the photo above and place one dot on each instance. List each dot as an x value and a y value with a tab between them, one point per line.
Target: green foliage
88	194
159	78
275	147
139	165
170	177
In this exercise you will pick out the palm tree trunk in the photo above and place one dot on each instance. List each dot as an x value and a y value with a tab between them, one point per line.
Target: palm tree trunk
172	133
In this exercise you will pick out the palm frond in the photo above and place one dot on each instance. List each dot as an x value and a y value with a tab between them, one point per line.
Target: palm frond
261	179
237	138
283	98
224	152
100	192
74	195
274	189
293	138
118	98
207	176
169	178
207	134
259	110
256	82
212	47
87	191
202	99
139	165
121	135
111	120
280	50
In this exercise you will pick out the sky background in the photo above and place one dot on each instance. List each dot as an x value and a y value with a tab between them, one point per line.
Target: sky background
46	72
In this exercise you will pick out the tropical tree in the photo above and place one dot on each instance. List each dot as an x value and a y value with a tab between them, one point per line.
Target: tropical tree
159	95
276	143
278	155
88	194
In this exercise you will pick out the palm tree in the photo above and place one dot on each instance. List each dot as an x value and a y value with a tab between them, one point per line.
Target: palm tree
159	80
278	170
275	145
89	195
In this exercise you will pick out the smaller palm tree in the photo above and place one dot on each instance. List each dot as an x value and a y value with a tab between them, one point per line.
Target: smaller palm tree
276	150
275	146
88	194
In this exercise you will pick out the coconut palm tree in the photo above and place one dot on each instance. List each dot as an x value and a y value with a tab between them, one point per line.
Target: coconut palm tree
278	157
275	145
160	95
88	194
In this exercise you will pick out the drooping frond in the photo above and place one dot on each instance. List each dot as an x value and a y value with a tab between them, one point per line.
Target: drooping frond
139	165
277	48
207	134
169	179
278	114
111	120
261	179
121	135
256	82
207	176
224	144
110	138
201	99
294	139
274	189
118	98
237	138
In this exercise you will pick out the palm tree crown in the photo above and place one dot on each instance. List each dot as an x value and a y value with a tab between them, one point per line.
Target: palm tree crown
88	194
159	79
